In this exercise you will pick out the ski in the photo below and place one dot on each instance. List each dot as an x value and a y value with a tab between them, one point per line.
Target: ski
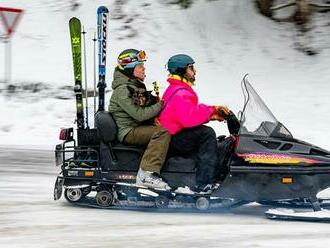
75	35
322	215
102	20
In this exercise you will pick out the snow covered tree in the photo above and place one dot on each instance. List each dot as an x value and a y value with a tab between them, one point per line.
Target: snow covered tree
298	12
302	12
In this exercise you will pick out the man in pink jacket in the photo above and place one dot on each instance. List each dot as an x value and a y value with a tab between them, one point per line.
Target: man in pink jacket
183	116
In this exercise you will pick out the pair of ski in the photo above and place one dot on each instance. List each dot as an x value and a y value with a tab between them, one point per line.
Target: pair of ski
76	44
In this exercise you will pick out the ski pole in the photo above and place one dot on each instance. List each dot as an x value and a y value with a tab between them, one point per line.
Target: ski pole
94	40
85	69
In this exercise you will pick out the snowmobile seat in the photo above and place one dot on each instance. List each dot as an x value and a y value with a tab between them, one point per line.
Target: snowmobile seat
107	131
106	126
111	151
129	160
116	156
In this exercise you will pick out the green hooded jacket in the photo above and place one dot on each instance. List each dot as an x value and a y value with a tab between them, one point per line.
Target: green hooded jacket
127	114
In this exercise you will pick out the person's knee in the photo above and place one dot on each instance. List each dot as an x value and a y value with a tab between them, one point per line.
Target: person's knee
160	132
159	129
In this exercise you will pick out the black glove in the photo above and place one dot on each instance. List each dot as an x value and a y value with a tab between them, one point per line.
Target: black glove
233	124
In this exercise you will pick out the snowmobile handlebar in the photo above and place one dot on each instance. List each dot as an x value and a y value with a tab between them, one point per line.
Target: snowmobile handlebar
233	123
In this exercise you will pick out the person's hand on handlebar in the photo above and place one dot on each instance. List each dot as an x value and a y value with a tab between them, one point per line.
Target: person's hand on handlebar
220	113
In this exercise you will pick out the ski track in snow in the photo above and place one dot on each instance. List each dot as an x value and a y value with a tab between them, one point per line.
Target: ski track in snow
30	218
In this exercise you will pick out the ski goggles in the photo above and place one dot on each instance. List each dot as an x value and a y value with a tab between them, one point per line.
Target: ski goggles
129	58
131	65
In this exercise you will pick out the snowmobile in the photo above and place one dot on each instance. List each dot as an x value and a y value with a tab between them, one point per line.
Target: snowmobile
264	162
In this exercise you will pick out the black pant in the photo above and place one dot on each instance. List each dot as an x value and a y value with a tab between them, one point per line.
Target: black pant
201	143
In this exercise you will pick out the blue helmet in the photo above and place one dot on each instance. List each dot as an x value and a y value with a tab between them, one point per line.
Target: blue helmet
177	64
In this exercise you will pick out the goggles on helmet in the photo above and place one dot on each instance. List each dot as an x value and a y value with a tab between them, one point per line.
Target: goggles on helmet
129	58
131	65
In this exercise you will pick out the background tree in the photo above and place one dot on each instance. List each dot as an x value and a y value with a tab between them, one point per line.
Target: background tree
301	17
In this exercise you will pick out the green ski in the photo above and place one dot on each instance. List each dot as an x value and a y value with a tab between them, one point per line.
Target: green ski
75	34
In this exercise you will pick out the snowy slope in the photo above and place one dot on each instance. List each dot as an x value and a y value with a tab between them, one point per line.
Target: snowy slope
226	38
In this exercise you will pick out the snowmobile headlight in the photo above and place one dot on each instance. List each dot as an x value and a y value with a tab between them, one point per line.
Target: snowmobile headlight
287	180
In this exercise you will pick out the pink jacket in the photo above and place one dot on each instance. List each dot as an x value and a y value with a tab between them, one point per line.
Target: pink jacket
181	108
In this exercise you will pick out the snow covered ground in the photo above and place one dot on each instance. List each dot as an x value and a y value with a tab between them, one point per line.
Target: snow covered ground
226	38
30	218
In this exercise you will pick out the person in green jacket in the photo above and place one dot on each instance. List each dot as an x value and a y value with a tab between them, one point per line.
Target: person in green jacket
134	113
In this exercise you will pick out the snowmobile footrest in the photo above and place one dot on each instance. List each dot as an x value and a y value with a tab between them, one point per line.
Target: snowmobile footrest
315	204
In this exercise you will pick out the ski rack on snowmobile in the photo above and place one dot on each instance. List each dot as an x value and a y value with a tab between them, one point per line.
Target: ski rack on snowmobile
77	155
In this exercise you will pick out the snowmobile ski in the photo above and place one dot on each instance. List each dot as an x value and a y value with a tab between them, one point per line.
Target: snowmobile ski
102	21
290	214
296	203
75	35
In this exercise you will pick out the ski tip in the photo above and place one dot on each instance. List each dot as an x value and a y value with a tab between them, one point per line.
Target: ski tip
295	215
102	9
74	19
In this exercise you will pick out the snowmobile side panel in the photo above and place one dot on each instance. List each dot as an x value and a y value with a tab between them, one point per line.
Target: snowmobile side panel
270	186
278	151
282	169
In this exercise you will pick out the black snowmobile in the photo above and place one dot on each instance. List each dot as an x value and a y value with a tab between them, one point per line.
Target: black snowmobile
264	164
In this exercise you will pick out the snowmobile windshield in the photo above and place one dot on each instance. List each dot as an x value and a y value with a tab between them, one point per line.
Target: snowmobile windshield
256	118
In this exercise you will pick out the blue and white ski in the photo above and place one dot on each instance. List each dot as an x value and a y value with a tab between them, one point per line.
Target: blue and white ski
102	21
